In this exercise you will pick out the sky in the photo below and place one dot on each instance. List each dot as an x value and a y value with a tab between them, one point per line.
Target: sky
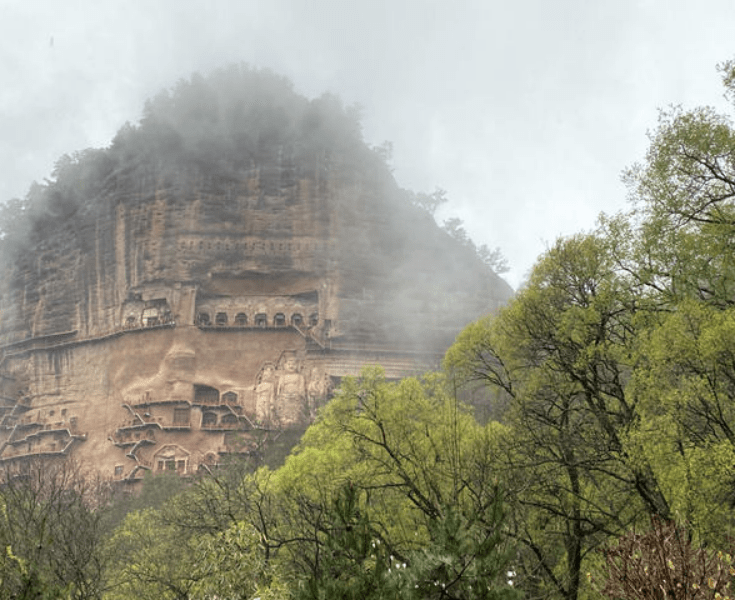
524	112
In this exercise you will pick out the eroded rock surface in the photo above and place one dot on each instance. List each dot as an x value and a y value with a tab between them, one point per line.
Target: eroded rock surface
175	316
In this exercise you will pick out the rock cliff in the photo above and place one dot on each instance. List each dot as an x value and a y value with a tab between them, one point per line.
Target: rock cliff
199	287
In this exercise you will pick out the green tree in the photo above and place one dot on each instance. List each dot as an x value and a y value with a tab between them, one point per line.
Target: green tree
493	259
675	248
154	492
151	559
428	202
422	489
196	544
51	533
354	563
617	364
557	353
231	565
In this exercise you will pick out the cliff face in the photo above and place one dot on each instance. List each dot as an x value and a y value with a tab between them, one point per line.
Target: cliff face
178	313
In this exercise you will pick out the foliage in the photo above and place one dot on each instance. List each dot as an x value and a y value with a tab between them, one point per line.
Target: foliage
429	202
237	118
50	532
617	364
150	559
199	544
554	353
154	492
460	560
391	474
355	563
231	565
430	497
492	259
662	563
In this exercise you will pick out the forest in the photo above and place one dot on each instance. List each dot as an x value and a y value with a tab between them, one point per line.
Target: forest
578	444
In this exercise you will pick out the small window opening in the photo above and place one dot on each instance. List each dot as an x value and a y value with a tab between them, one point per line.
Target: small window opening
203	319
261	320
241	320
204	394
297	320
221	319
279	320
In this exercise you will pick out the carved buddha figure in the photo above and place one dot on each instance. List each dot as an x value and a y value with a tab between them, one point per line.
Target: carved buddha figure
291	394
317	390
265	393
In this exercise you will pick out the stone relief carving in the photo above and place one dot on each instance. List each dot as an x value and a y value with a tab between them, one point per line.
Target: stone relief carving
291	394
265	393
319	387
284	397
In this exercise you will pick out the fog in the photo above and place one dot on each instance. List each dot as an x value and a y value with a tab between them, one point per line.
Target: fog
524	114
254	161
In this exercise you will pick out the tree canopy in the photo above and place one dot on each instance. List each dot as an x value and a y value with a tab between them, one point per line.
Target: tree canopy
617	361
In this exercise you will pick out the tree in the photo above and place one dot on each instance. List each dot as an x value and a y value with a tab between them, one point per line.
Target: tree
154	492
454	227
494	259
355	564
408	467
429	202
150	559
50	529
194	542
556	352
676	249
232	565
617	362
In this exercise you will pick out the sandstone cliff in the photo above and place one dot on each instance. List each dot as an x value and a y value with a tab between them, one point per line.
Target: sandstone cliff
200	286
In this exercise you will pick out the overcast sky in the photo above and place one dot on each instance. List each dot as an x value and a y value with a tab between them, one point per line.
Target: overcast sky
525	112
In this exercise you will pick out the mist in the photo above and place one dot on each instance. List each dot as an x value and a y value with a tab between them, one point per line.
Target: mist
238	160
525	114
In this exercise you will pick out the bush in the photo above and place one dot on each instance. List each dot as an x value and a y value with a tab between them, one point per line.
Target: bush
664	564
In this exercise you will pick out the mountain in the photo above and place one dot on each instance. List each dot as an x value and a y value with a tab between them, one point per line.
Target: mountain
199	287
